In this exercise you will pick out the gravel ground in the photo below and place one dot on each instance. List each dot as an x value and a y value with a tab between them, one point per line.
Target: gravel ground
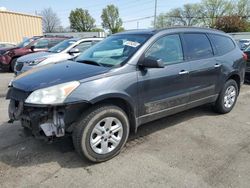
196	148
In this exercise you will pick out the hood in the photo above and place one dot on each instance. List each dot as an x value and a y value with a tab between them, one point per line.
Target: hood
3	50
35	56
54	74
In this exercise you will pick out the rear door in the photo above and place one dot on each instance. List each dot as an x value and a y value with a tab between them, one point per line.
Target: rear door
204	70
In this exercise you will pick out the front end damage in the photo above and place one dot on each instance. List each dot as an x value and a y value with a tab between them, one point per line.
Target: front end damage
45	122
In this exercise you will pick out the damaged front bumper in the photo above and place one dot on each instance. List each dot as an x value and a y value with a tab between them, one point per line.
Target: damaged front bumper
45	121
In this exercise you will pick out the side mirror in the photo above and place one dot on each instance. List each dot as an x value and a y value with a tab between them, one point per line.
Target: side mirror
32	48
74	51
150	62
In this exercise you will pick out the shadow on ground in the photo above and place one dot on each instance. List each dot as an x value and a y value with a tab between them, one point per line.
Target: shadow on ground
20	149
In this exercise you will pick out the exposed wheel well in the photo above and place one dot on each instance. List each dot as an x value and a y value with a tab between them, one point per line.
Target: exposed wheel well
236	78
123	104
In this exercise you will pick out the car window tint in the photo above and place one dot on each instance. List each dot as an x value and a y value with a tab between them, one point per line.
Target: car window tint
84	46
197	46
54	42
41	43
167	48
222	44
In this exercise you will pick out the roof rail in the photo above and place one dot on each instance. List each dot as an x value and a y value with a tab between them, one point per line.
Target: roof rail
62	36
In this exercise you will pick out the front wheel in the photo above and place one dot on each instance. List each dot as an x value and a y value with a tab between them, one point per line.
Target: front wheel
13	64
227	97
101	133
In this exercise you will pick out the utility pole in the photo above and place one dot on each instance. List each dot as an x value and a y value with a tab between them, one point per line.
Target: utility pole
155	13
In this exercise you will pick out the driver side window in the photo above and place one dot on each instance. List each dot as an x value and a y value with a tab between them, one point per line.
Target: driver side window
168	49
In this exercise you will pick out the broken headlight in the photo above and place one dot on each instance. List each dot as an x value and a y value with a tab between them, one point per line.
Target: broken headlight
52	95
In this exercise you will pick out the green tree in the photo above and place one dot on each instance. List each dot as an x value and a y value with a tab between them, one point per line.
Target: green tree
184	16
242	8
210	10
111	19
81	20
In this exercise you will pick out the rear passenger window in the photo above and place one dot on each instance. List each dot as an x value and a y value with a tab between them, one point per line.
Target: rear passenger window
222	44
167	48
197	46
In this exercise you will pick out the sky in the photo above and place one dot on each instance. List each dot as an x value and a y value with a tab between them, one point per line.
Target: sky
129	10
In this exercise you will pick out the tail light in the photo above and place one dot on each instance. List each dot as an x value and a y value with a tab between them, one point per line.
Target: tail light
245	56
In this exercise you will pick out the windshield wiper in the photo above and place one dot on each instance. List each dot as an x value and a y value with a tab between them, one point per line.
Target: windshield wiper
90	62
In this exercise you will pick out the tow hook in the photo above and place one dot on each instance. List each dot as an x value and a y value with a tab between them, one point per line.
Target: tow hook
56	127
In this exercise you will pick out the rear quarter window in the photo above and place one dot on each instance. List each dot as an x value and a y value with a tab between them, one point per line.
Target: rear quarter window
222	44
197	46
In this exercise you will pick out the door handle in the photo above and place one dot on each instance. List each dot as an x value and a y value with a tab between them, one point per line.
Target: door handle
217	65
183	72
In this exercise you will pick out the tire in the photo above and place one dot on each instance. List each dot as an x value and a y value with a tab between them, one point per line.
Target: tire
12	64
221	106
95	125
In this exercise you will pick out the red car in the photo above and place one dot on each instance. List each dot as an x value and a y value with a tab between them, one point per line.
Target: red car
8	56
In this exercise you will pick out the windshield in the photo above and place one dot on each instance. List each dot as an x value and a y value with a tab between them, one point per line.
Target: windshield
114	50
25	42
62	46
247	49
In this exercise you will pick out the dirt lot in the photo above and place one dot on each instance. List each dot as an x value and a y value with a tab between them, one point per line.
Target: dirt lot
196	148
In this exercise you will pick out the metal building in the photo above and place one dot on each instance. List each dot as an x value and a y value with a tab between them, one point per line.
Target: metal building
15	26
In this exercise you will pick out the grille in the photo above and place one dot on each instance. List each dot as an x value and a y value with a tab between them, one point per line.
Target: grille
247	69
17	94
19	66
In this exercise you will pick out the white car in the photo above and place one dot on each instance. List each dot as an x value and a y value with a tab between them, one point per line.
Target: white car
65	50
6	45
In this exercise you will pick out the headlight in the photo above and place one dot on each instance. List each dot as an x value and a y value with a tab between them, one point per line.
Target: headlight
52	95
6	53
35	62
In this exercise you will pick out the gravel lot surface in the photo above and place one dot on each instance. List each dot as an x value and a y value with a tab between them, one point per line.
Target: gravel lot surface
196	148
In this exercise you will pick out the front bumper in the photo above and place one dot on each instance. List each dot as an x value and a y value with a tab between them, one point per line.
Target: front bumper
4	62
45	121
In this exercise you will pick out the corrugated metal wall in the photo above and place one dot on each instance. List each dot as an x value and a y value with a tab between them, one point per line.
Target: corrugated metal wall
15	26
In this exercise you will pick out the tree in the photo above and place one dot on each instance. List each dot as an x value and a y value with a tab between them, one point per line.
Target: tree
111	20
230	24
97	30
184	16
81	20
51	22
210	10
242	8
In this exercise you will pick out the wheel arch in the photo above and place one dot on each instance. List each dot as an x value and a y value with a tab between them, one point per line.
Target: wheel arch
124	102
236	78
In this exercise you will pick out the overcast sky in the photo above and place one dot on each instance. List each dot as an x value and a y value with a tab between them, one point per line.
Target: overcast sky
129	9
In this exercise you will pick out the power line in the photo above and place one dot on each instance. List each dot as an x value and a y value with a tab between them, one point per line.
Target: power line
138	19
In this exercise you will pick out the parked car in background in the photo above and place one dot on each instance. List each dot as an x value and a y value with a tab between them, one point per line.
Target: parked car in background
8	56
65	50
247	52
124	81
6	45
243	43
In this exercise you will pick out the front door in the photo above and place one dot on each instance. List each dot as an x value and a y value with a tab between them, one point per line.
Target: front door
163	91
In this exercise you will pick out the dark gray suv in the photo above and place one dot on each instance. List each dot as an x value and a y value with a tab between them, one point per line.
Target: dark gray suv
127	80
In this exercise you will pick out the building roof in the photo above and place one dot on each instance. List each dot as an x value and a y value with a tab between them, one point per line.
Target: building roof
18	13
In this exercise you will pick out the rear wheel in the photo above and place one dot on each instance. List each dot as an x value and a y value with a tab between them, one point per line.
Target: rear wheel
227	97
102	133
